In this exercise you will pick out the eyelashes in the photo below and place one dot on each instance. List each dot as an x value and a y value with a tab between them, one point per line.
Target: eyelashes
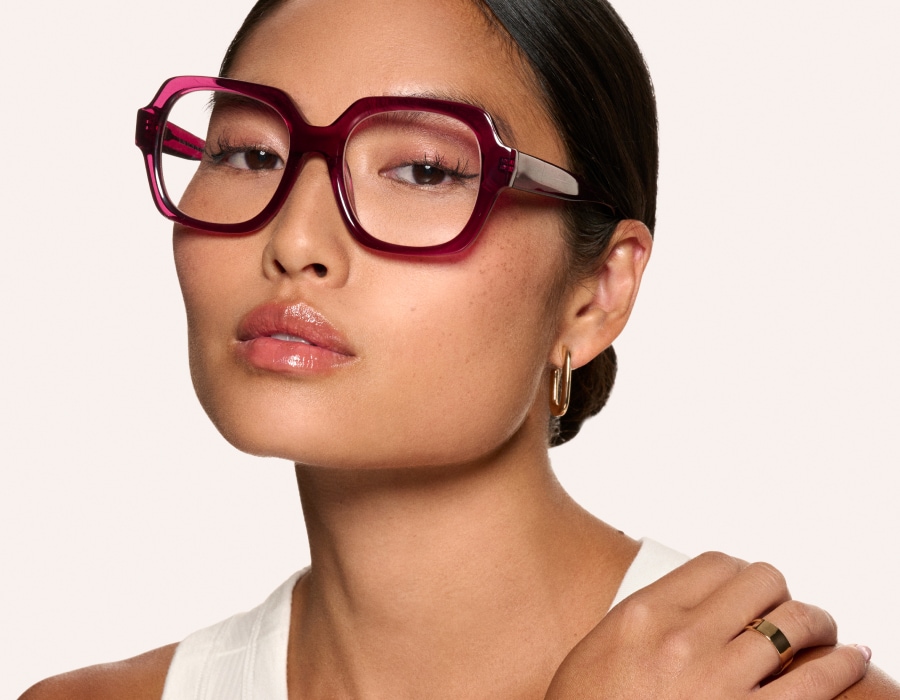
430	172
251	157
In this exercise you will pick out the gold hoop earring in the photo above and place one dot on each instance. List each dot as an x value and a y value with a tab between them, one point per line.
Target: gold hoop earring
561	388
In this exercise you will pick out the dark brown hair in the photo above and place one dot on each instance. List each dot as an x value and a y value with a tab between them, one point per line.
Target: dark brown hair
597	91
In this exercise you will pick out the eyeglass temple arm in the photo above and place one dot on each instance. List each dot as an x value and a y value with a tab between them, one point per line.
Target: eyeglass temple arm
182	143
176	141
535	175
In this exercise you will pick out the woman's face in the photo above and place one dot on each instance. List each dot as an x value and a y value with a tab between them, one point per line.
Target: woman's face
427	361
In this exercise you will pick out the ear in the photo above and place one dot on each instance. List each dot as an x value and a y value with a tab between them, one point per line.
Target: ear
595	309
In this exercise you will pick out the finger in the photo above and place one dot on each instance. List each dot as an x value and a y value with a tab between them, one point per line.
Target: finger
700	577
757	589
820	679
767	650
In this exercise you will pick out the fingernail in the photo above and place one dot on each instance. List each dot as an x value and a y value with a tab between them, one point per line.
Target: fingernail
865	651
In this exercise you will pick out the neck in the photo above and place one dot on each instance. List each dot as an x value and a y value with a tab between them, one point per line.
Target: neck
424	569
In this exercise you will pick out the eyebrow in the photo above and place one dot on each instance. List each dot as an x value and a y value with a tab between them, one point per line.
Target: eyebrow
225	100
504	129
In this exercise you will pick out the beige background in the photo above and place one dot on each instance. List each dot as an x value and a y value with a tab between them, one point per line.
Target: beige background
757	405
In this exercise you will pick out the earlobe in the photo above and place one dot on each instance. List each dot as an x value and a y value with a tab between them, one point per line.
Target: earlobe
598	306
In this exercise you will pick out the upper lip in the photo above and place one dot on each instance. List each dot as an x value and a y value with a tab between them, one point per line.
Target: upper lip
297	319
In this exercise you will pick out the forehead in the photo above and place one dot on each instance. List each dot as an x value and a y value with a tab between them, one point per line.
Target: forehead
328	53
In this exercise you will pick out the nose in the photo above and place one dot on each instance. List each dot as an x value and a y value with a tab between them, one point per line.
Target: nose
307	238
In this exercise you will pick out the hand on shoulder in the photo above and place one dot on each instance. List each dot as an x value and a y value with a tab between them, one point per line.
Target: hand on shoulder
139	678
685	636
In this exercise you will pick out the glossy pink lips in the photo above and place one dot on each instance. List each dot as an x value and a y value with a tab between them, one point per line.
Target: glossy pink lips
292	339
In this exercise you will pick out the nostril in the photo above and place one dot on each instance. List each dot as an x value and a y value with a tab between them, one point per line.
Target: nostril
318	268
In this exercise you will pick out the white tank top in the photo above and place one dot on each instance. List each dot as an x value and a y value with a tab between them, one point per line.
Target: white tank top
245	656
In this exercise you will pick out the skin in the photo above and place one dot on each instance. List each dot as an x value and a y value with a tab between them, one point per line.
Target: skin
476	322
437	531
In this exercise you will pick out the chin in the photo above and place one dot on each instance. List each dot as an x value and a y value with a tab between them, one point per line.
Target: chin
338	440
344	423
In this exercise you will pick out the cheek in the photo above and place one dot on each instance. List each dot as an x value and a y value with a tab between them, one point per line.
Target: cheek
471	350
452	355
212	280
194	291
200	275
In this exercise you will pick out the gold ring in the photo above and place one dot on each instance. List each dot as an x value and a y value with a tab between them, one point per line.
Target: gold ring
776	636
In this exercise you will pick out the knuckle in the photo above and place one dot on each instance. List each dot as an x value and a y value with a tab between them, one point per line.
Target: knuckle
768	577
832	623
808	624
638	612
816	679
832	673
855	663
722	562
671	640
803	620
676	650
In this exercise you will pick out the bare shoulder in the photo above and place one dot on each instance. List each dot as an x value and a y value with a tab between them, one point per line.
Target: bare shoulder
876	685
138	678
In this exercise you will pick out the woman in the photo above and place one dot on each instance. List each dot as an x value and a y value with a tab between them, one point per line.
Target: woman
402	354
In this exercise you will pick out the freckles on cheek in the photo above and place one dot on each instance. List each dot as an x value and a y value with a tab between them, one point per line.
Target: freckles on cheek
190	273
210	269
428	325
188	265
522	283
474	327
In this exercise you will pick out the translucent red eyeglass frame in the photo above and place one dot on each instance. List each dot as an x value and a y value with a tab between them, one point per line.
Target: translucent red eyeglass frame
502	166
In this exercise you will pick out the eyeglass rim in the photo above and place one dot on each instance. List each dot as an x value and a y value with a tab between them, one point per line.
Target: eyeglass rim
502	166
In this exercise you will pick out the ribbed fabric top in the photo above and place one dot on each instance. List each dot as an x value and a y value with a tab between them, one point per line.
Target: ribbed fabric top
653	561
241	658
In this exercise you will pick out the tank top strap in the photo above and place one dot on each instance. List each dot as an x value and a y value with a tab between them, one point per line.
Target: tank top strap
241	658
245	656
653	561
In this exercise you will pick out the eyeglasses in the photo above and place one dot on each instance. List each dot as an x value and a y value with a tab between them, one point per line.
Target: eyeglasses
411	175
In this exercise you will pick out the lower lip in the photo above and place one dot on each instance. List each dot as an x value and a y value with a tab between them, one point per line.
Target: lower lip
288	357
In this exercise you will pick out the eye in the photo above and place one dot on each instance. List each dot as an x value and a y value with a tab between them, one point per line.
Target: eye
421	174
251	159
431	172
248	158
